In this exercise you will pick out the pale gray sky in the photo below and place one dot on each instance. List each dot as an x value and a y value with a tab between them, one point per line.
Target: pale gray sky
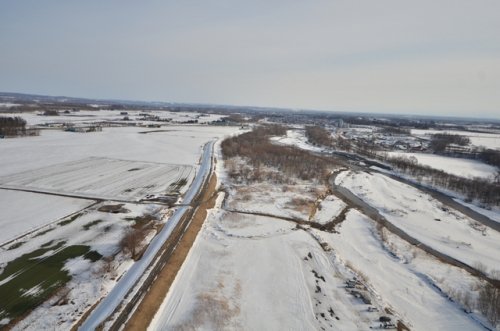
425	57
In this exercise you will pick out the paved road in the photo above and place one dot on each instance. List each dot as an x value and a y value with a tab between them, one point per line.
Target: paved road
117	295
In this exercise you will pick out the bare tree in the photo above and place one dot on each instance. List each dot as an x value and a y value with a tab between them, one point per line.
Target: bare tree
132	240
489	303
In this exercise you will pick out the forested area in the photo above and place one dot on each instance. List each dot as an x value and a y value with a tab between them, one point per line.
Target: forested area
440	141
260	153
319	136
12	126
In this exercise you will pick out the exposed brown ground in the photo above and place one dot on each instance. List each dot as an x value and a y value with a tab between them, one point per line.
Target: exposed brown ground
156	294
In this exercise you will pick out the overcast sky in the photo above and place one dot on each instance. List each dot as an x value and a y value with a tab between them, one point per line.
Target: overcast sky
411	57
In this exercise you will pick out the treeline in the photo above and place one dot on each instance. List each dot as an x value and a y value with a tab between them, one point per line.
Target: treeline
395	130
490	156
488	303
260	153
483	190
12	126
440	141
319	136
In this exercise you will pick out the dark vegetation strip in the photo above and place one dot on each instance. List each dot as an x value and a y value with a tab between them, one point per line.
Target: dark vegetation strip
327	227
32	271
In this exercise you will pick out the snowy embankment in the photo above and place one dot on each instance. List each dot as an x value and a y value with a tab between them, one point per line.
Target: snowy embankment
407	291
426	219
328	210
455	166
22	212
493	214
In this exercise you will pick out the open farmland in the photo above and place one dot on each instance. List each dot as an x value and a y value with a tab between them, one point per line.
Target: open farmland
80	209
23	212
175	144
104	178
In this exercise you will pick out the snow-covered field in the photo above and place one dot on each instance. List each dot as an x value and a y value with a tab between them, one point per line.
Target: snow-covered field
271	199
488	140
122	163
22	212
455	166
296	138
265	273
426	219
328	210
175	145
134	116
103	178
259	273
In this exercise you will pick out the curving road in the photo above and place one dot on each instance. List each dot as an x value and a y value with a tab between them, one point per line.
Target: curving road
126	283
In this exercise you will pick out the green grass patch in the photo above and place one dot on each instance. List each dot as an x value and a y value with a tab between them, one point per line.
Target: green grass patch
31	271
91	224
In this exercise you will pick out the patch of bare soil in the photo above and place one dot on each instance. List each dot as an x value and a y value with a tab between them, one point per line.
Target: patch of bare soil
317	204
214	310
154	297
300	204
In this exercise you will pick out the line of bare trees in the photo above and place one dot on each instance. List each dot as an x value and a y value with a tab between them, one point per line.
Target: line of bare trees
259	153
12	126
440	141
488	303
484	190
319	136
490	156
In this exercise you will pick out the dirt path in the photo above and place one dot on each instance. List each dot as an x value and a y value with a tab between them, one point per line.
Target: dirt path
152	300
328	227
